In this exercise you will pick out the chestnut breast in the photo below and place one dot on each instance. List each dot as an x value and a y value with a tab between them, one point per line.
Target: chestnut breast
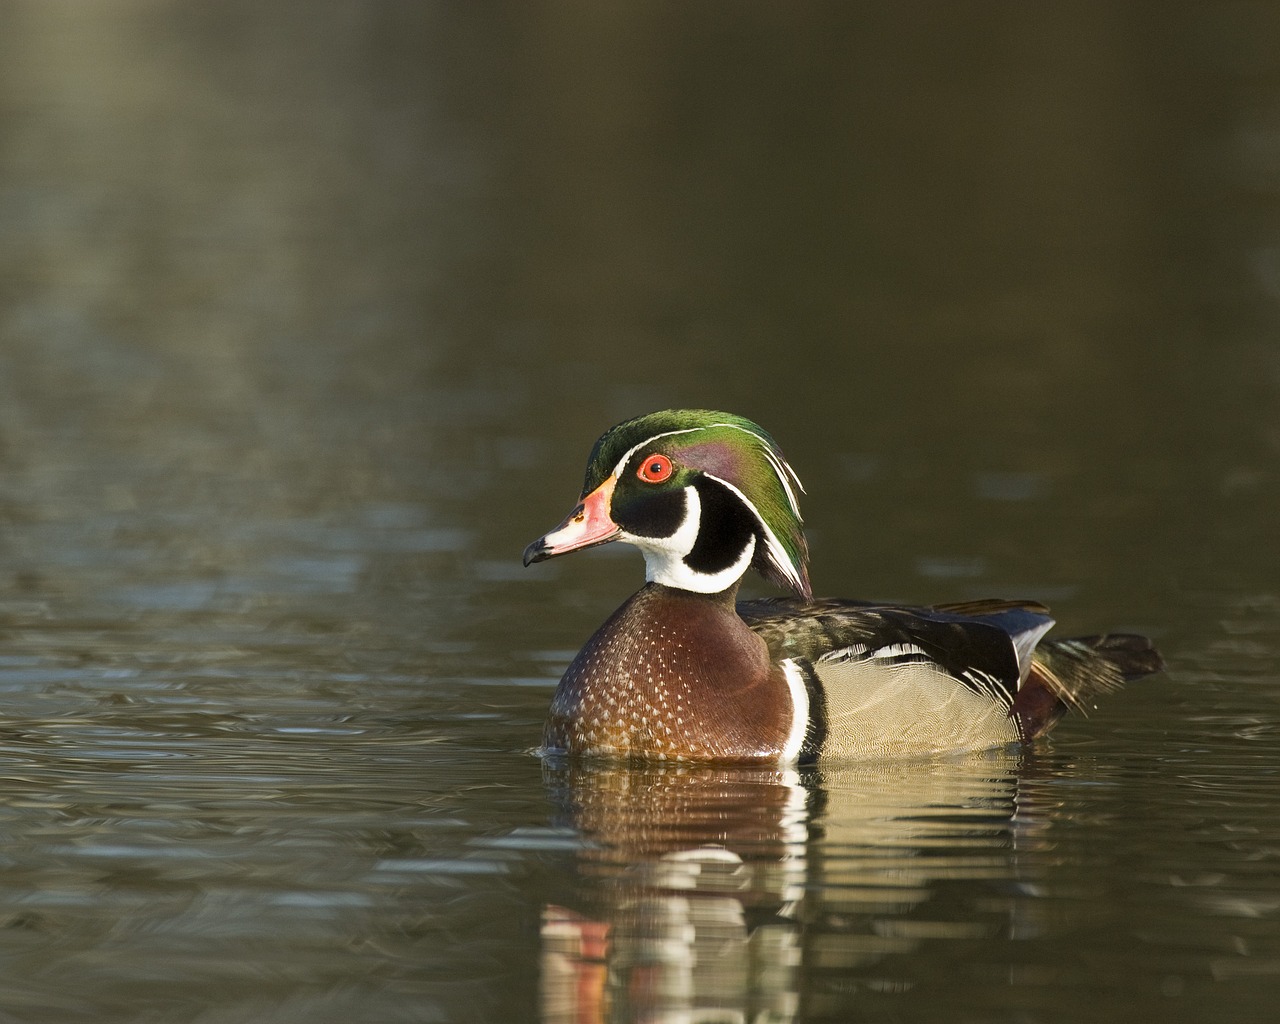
672	675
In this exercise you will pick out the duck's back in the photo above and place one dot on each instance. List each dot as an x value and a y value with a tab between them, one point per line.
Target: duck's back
895	681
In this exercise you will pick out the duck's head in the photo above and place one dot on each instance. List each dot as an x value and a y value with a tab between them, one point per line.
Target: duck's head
704	495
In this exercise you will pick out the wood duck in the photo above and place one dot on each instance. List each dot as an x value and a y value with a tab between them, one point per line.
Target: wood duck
682	671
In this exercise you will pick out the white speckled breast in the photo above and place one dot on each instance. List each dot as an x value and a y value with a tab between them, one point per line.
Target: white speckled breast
672	676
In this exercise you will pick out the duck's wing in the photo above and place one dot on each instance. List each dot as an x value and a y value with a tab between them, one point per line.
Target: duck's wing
985	646
899	681
894	680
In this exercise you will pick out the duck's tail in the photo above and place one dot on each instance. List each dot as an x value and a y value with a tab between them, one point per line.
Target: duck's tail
1068	675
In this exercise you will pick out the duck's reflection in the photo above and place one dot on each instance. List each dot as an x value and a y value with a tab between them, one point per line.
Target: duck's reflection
704	892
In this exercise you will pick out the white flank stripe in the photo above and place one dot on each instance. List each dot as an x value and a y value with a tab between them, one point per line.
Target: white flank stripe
989	686
898	650
799	710
854	652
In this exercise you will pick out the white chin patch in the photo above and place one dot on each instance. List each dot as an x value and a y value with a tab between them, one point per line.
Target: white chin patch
664	557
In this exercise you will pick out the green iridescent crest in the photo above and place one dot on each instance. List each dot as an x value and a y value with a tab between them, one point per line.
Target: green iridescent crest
738	453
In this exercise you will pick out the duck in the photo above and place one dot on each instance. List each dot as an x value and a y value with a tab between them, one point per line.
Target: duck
684	671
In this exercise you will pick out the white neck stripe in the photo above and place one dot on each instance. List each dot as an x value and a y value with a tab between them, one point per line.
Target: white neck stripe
774	550
664	557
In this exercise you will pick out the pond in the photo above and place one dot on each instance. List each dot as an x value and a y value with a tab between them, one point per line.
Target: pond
311	315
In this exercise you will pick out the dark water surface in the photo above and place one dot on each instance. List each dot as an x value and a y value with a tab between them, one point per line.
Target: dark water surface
309	314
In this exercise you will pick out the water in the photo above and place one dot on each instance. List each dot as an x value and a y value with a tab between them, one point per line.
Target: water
309	318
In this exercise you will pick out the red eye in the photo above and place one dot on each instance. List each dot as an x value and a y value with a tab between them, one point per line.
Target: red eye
654	469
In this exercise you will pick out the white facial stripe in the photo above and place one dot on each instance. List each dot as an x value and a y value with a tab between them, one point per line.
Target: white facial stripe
786	475
622	462
774	551
664	557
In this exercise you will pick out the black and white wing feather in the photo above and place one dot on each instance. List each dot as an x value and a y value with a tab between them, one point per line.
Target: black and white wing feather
892	681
